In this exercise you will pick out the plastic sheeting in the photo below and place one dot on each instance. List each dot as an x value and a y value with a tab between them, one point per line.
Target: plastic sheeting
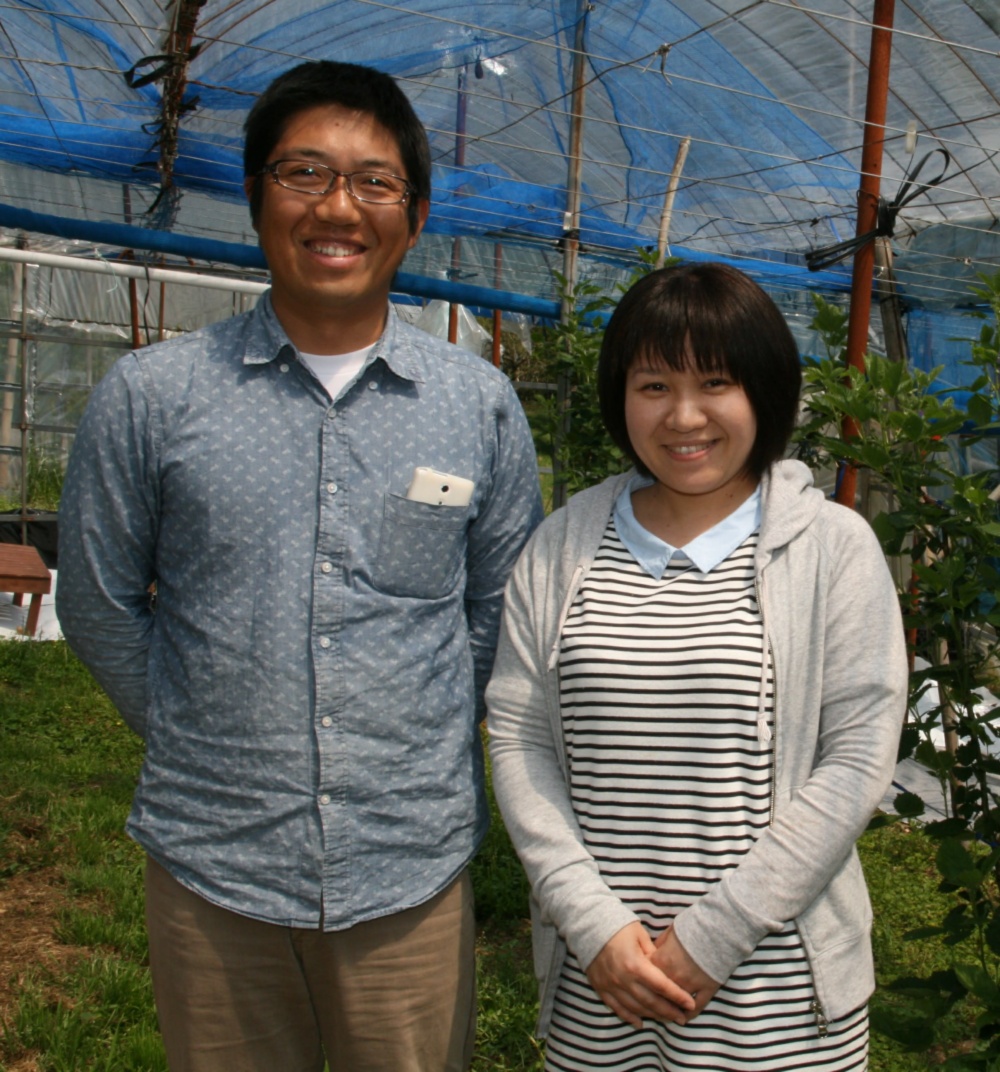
771	93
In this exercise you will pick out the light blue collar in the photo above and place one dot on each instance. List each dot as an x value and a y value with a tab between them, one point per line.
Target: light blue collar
705	551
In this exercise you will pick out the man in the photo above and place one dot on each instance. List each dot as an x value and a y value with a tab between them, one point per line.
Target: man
309	684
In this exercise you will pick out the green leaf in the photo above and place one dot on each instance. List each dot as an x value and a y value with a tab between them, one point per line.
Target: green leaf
912	426
956	864
980	409
937	761
946	828
978	982
908	805
992	933
908	741
885	530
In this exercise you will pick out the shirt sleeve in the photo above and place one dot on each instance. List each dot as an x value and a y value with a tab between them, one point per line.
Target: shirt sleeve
511	513
108	517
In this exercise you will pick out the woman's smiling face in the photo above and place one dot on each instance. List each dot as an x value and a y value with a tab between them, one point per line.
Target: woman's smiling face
693	430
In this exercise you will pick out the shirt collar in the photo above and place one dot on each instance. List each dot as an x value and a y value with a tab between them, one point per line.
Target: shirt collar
705	551
267	341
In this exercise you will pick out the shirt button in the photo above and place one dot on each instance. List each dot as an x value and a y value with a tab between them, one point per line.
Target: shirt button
326	567
324	799
284	368
372	385
332	489
326	721
324	642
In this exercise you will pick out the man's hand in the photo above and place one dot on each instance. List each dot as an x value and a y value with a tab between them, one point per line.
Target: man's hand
672	959
632	986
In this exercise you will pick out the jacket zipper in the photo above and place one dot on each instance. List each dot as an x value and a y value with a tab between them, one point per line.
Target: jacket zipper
774	687
815	1006
774	732
822	1025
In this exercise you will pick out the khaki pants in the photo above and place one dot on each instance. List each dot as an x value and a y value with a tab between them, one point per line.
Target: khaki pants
233	994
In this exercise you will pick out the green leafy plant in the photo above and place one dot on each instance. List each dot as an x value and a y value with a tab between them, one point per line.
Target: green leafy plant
942	524
569	427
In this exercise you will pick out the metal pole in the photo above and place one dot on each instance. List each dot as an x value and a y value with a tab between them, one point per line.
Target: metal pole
571	231
25	405
571	221
133	287
107	267
10	371
461	112
497	315
868	194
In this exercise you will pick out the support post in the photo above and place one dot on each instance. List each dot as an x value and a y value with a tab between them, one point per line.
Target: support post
668	201
10	371
868	195
888	302
497	314
25	406
571	230
461	113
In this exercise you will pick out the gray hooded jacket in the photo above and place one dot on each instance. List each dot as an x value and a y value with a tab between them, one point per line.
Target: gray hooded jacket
832	623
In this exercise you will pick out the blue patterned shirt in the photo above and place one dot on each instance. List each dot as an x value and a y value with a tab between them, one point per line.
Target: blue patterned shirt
310	682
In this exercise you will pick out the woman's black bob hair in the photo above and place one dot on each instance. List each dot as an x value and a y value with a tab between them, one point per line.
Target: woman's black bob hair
727	324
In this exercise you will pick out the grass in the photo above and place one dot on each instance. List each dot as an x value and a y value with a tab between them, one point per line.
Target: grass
68	772
84	1002
45	481
903	882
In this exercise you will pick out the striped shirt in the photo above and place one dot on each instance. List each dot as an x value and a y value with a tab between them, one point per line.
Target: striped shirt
670	780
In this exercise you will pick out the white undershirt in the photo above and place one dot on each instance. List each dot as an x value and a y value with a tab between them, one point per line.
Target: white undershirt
336	371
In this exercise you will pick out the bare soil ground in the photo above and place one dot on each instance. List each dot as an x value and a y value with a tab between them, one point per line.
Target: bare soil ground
29	910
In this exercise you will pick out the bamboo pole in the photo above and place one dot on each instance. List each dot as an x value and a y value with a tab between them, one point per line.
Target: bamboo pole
888	302
668	201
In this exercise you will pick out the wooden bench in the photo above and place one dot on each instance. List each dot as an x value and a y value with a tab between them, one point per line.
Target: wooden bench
22	572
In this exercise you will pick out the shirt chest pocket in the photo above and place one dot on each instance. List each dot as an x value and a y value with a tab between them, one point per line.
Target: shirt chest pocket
421	550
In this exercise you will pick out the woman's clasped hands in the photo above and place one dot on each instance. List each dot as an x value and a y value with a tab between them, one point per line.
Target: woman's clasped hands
639	979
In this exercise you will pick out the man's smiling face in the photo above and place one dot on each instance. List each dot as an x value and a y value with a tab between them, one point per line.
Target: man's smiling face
331	257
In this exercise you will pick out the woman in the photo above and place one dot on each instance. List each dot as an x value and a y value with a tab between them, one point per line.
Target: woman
694	711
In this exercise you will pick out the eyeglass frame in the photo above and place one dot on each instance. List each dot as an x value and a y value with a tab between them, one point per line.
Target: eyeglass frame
347	176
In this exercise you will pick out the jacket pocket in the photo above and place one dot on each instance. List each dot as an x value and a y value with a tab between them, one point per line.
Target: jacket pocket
835	930
421	550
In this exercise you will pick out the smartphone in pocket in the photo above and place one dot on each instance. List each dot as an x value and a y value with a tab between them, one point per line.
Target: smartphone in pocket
439	489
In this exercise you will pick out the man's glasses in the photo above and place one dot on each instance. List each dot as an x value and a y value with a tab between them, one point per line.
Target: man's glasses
306	177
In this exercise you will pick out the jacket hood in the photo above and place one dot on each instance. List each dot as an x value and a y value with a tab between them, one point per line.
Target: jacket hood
791	505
